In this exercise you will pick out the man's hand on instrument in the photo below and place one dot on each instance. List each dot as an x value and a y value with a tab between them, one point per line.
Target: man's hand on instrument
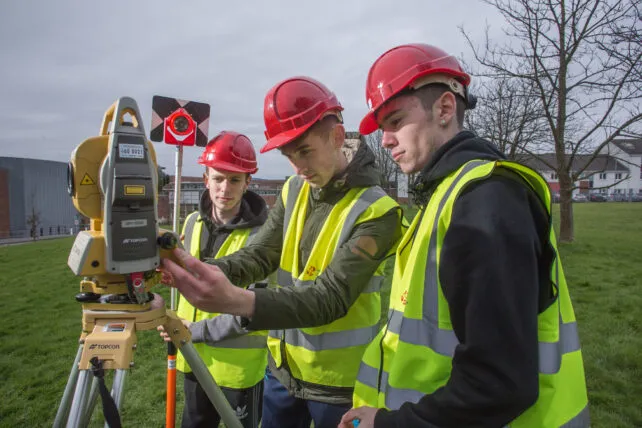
206	287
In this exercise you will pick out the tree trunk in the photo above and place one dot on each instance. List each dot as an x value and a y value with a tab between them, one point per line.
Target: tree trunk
567	233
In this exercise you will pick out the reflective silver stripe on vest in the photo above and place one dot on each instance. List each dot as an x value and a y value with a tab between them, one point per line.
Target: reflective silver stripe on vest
331	340
367	198
284	279
368	375
395	397
550	353
189	230
243	342
423	332
581	420
277	334
294	188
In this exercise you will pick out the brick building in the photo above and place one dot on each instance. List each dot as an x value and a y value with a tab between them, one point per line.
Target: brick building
192	187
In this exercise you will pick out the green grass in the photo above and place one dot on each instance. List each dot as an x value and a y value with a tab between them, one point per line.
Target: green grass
38	339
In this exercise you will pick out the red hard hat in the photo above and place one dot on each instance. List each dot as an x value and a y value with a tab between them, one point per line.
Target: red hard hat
230	151
400	67
293	106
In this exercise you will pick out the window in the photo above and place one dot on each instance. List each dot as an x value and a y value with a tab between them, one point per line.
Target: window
603	176
618	176
553	176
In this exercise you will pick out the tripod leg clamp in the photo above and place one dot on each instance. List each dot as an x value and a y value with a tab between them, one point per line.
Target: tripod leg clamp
173	326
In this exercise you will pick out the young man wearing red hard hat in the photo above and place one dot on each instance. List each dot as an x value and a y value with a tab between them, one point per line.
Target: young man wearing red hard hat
481	330
227	219
327	238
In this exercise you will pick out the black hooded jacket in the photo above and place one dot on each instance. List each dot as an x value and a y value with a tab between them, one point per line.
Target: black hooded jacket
253	213
495	274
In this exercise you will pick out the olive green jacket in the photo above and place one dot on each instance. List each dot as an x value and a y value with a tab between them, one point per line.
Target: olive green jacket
337	287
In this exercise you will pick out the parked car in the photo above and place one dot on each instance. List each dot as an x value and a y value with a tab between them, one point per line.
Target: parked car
580	197
596	197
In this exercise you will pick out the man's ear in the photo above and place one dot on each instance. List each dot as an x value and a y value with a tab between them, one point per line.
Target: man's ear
205	181
446	107
338	135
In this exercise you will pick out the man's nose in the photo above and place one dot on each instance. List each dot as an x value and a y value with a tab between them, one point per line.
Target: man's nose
388	140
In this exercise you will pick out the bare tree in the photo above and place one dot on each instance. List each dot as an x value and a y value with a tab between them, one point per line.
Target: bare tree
388	169
33	220
584	59
509	115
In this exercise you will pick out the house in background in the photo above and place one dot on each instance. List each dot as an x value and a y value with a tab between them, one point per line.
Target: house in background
615	172
598	173
629	153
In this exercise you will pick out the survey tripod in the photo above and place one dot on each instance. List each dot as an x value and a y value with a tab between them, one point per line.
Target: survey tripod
108	342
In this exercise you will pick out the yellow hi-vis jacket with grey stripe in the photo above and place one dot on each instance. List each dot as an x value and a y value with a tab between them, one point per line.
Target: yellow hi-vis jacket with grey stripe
328	355
416	347
237	362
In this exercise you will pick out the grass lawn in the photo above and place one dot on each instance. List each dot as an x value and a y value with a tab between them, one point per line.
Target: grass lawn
38	340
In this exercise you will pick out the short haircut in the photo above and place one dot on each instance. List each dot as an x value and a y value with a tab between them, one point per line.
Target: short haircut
430	93
323	127
207	172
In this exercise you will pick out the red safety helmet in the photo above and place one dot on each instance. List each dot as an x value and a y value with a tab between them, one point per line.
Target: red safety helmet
293	106
405	66
230	151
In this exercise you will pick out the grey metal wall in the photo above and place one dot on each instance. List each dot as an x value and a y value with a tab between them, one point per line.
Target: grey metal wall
39	184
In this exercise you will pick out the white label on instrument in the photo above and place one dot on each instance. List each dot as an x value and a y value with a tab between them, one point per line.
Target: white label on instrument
133	223
131	151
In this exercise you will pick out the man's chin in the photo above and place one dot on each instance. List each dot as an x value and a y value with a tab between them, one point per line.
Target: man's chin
314	181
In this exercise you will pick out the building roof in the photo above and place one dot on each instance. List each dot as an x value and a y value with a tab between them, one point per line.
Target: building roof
630	146
351	135
598	164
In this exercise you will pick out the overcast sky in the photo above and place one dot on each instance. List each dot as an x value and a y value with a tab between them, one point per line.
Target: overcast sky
65	62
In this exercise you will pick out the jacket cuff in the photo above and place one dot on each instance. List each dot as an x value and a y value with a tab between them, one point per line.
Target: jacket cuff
197	329
385	419
261	310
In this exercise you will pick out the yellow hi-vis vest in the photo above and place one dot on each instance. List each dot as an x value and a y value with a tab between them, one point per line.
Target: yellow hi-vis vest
328	355
234	363
417	346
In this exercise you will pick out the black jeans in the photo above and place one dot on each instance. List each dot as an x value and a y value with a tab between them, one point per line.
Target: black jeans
200	413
